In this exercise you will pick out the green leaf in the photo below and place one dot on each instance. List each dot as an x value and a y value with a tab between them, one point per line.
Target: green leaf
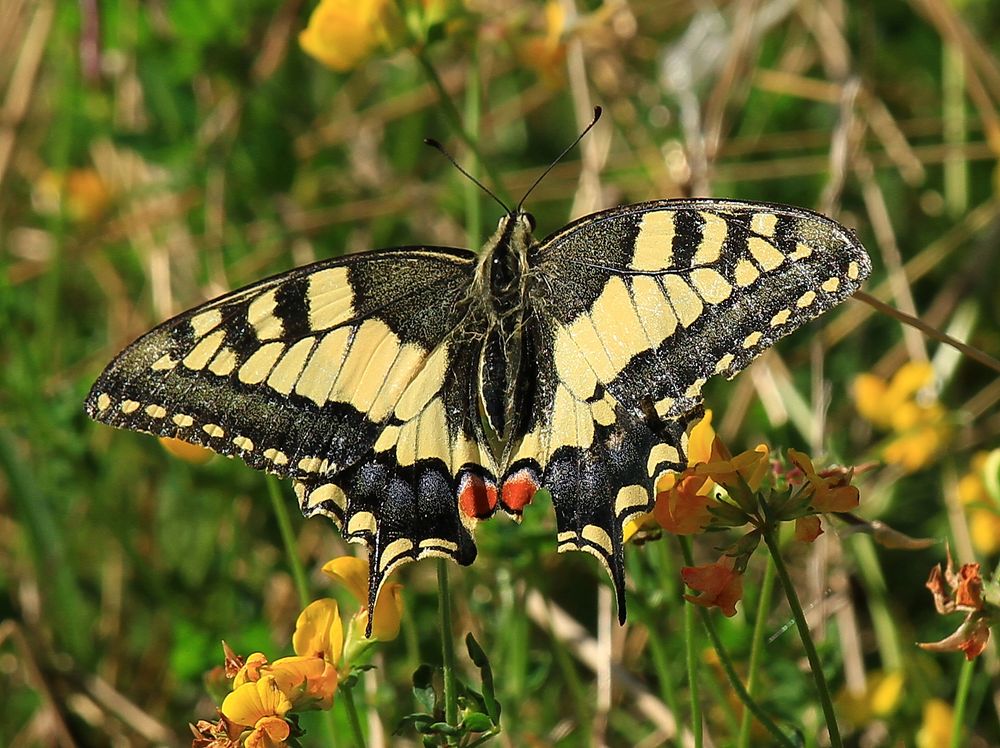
477	722
481	661
423	688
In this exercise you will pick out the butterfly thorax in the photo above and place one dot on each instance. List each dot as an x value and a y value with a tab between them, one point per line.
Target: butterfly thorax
500	289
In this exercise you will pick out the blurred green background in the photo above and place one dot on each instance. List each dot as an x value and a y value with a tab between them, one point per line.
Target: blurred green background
154	154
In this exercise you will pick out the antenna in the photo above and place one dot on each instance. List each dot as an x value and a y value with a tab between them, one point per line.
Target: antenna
571	146
436	145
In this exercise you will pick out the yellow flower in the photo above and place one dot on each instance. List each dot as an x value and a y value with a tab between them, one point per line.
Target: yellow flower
881	697
343	33
920	428
750	467
260	706
352	572
935	731
308	682
319	631
683	499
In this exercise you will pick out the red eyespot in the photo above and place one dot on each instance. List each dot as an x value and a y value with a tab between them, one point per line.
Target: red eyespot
477	497
518	490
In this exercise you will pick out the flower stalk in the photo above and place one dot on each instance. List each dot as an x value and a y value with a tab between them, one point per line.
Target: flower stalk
769	534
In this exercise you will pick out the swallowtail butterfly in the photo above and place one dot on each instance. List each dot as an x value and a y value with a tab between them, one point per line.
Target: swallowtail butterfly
410	393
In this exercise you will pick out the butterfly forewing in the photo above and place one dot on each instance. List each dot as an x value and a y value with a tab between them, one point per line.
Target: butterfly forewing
298	374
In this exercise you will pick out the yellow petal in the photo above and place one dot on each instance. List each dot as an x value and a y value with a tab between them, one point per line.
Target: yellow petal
252	702
270	732
700	441
342	33
319	631
935	730
388	612
309	682
352	572
909	379
869	398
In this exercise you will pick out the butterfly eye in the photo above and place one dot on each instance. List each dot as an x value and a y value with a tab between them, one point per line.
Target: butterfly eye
531	220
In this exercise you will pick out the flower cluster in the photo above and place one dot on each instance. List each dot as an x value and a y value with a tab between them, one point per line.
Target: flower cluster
906	407
963	591
259	711
719	490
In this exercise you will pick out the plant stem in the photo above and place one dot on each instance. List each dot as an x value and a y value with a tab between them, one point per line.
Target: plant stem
347	694
280	508
691	652
961	702
447	645
757	648
734	679
823	691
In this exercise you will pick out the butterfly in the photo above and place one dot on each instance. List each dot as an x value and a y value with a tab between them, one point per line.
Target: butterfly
410	393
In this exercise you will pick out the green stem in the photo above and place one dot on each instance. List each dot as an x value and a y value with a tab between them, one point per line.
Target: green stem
691	652
734	679
757	648
823	691
447	645
347	694
961	702
280	508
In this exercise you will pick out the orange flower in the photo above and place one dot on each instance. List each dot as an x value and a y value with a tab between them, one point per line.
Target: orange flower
830	494
193	453
719	585
807	529
682	499
684	508
546	54
971	638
